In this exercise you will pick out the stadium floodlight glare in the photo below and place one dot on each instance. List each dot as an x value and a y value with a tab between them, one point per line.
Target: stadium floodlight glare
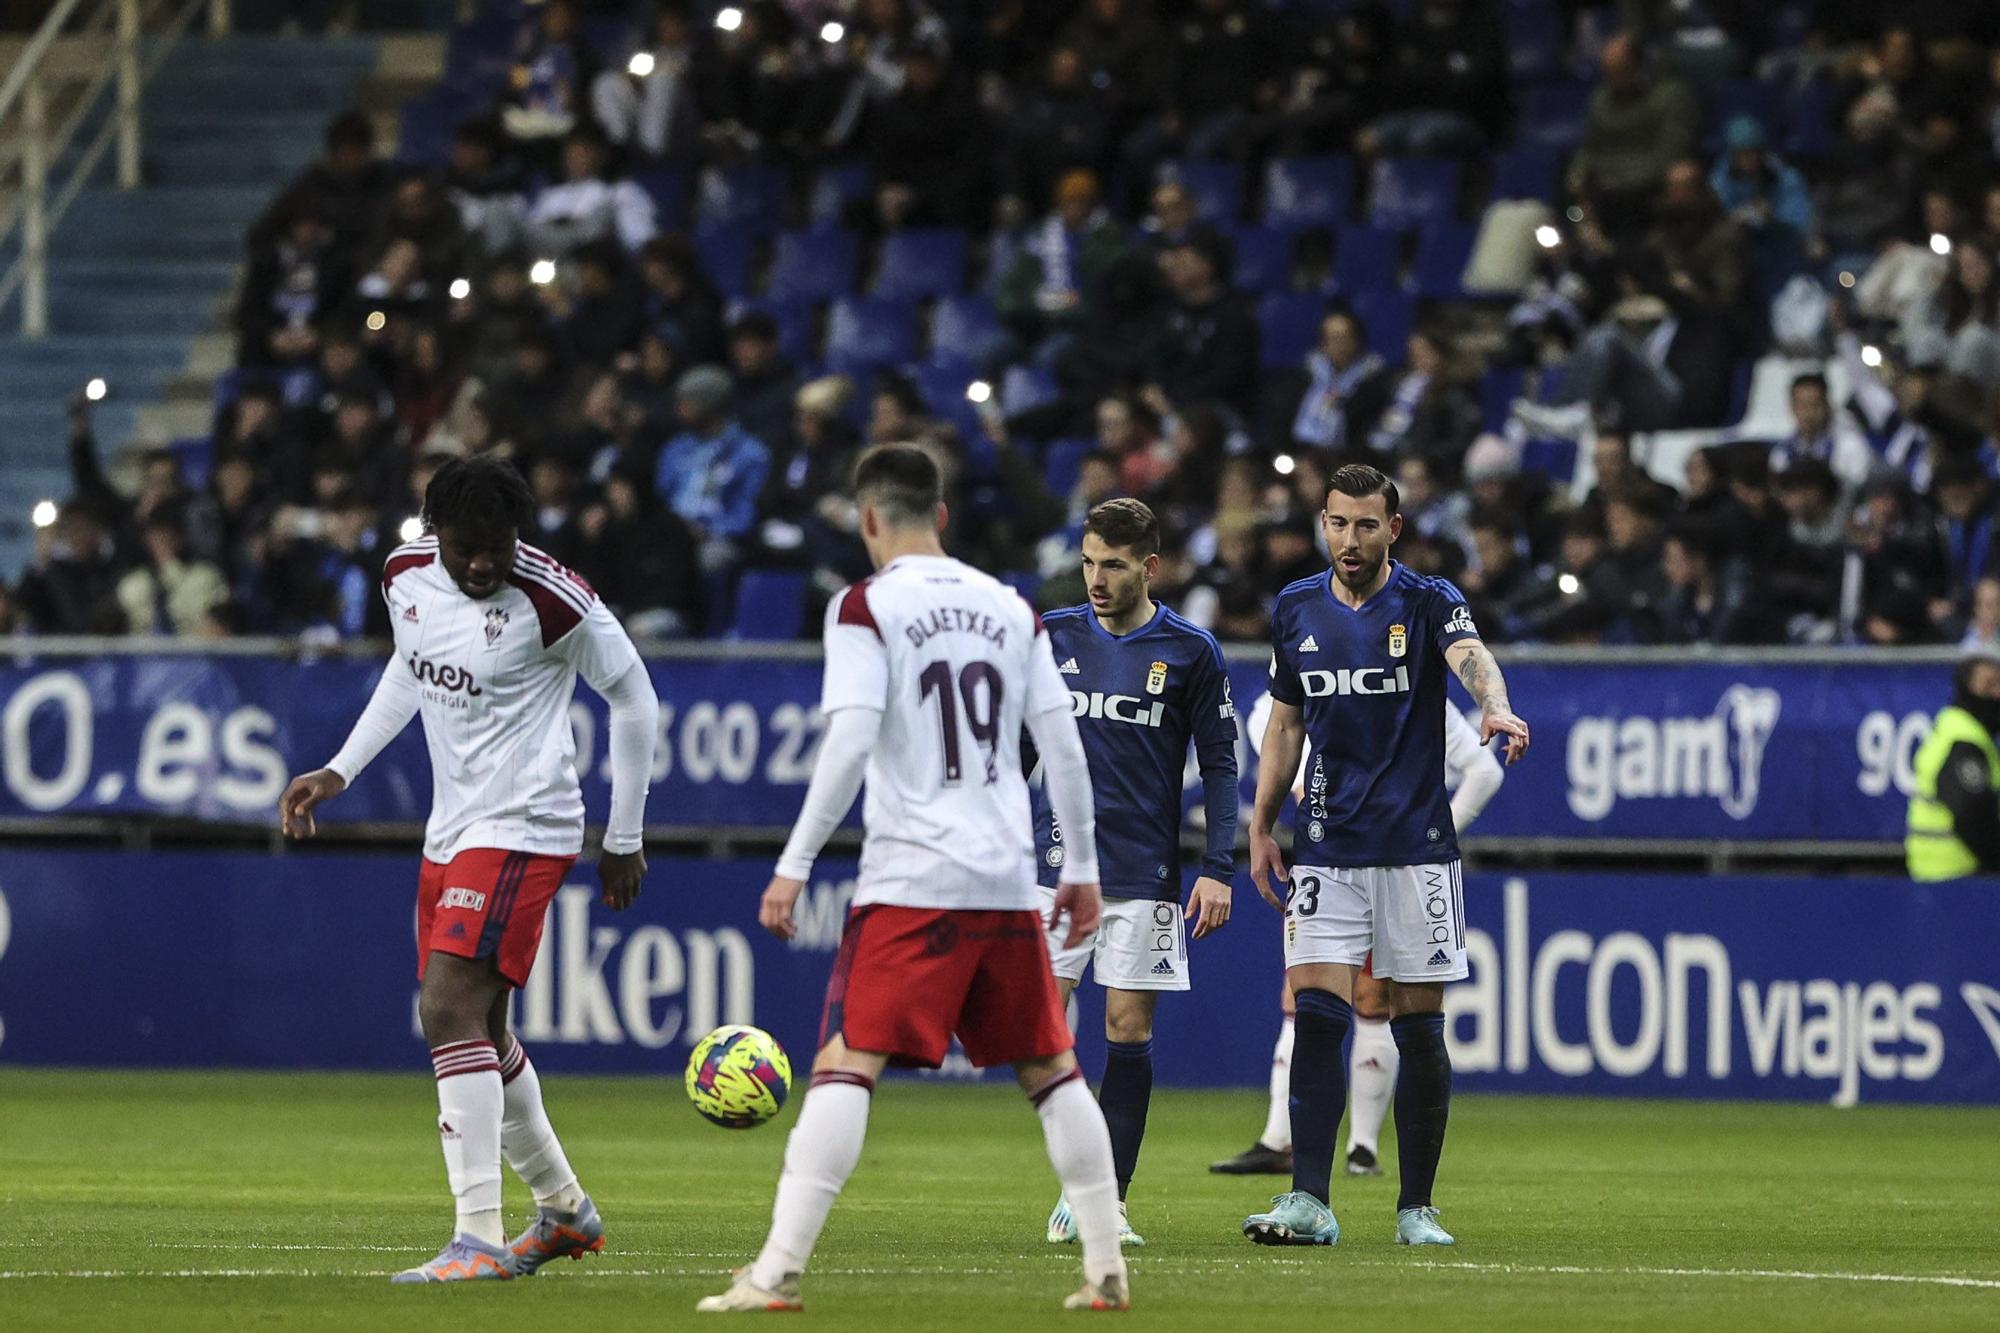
96	389
44	513
979	391
543	272
1547	237
1940	243
1570	585
460	289
1871	356
413	528
640	65
1284	463
730	19
832	33
377	321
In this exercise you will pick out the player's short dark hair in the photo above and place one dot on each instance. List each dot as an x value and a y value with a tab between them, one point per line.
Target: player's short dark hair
1360	481
482	495
1811	379
1127	524
901	482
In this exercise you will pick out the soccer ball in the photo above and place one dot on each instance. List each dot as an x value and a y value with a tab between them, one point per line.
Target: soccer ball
738	1077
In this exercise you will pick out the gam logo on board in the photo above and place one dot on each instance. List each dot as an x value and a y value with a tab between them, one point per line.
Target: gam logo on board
1718	757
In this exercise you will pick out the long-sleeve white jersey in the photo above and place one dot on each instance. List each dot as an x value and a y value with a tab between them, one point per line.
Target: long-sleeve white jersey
1471	773
493	678
955	663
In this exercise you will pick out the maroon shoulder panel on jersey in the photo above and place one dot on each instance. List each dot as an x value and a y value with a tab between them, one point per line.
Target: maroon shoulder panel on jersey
400	564
558	612
548	564
854	609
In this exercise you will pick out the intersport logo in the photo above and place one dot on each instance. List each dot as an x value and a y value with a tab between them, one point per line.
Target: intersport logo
1719	757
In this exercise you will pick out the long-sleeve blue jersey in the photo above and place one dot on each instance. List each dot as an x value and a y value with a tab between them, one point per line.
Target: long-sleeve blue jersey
1140	699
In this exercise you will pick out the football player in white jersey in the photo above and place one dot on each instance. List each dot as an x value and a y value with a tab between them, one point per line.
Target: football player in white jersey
1473	775
491	635
932	669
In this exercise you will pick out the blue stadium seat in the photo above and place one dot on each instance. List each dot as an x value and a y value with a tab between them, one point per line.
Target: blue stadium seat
1026	388
725	257
668	189
1368	257
1535	40
818	265
1303	192
1217	187
1390	315
1263	259
1809	127
869	333
1552	115
770	604
1527	172
1442	253
1062	463
795	325
1498	388
921	263
426	124
1554	459
835	189
942	382
1414	192
752	198
965	328
1289	325
196	455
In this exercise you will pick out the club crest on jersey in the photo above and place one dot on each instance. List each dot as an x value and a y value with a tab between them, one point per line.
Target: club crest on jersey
496	620
1399	641
1156	679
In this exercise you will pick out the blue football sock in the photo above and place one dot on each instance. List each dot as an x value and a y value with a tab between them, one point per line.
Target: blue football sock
1319	1088
1124	1095
1423	1103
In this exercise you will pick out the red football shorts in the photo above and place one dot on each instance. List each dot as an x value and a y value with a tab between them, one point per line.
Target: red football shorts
907	979
487	903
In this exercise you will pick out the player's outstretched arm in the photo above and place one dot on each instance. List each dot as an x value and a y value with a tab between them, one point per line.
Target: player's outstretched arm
1277	760
1473	663
389	710
836	781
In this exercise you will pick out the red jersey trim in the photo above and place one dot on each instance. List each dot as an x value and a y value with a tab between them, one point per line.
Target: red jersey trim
557	614
548	564
402	562
854	609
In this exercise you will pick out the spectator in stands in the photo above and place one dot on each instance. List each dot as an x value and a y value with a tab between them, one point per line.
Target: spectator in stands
1569	599
553	72
766	381
295	278
170	593
1983	629
72	586
485	185
1497	575
713	472
1867	180
1427	414
556	483
344	188
607	312
1063	128
1129	432
1124	54
1710	598
1804	580
643	559
241	517
1229	594
648	105
916	144
1449	86
1173	220
1047	293
1964	499
1895	567
1207	345
1700	244
808	515
1611	460
395	283
1342	76
647	378
1767	196
680	300
1640	122
1346	387
1430	511
588	205
1226	60
1632	585
1965	309
1820	436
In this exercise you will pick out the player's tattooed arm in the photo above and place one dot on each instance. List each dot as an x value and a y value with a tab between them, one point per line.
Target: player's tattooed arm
1473	663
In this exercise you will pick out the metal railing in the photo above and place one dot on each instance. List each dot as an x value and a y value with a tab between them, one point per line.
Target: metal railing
32	86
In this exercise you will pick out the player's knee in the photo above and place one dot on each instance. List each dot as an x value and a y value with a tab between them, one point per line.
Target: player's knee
1129	1025
1035	1076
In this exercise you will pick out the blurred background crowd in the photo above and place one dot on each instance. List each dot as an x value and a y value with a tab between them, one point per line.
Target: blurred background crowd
1675	320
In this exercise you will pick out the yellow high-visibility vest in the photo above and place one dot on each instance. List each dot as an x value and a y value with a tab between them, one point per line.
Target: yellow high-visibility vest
1930	841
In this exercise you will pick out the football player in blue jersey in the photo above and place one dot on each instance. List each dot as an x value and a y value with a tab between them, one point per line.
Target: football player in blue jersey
1144	684
1358	665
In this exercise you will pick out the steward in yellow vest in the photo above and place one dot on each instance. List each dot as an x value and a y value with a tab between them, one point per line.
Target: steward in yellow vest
1954	819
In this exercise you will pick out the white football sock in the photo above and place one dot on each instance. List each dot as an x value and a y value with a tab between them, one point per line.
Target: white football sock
469	1098
528	1140
1371	1081
1277	1135
1080	1151
820	1155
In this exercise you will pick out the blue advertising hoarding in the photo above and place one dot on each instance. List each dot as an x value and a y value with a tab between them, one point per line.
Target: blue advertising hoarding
1736	987
1688	749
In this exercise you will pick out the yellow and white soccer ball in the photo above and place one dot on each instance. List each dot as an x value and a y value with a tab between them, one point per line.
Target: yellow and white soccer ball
738	1076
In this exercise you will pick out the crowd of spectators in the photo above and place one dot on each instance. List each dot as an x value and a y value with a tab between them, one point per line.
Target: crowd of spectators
1813	185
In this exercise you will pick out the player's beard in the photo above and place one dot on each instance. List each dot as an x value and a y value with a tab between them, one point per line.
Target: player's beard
1363	577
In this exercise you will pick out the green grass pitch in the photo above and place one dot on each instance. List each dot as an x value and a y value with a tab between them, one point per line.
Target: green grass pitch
219	1200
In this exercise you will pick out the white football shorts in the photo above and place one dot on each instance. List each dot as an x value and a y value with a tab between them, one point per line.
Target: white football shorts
1412	917
1139	945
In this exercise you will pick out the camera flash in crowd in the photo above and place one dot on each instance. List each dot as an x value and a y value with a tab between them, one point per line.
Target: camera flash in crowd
730	19
1940	243
413	528
1846	278
1871	356
1573	213
377	321
1284	464
460	289
1570	584
543	273
96	389
979	391
1547	237
832	33
44	513
640	65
